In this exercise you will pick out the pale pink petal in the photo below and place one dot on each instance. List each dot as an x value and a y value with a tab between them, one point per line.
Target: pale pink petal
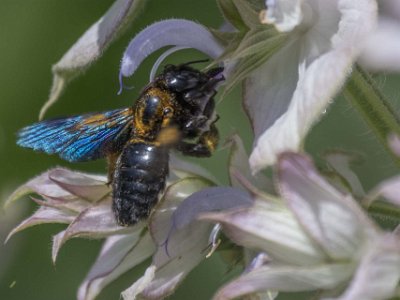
73	206
119	254
139	285
91	45
172	270
394	143
42	185
333	219
182	241
58	241
269	227
286	279
178	250
208	200
378	274
96	222
86	186
44	215
239	165
388	189
340	162
183	168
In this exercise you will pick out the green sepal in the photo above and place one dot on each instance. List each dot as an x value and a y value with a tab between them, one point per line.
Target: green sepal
251	57
231	14
248	13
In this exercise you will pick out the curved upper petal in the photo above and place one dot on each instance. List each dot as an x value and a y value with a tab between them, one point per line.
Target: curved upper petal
173	32
289	93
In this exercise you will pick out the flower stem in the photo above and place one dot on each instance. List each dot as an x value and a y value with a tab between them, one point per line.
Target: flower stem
386	214
363	93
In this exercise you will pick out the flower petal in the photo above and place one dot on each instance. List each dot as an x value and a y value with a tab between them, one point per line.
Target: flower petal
90	46
384	57
284	14
183	168
286	279
72	206
340	162
378	274
135	289
389	189
43	215
389	8
209	200
42	185
118	254
161	221
394	143
173	32
269	227
96	222
333	220
179	251
239	164
86	186
290	91
171	271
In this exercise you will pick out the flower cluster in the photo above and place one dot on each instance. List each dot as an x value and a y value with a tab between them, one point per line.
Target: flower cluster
303	230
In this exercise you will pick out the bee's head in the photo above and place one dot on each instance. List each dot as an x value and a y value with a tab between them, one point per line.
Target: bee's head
192	86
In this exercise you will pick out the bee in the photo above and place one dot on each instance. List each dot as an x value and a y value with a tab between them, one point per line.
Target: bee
174	111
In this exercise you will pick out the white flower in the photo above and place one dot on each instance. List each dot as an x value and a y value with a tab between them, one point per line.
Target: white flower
288	93
318	238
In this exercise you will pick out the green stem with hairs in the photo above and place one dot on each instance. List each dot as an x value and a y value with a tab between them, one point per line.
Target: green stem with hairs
364	95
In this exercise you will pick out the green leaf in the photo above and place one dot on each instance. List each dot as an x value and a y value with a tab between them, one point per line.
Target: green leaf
231	14
363	93
225	37
256	40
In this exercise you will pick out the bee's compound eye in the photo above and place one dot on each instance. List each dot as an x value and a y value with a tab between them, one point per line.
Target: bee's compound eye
168	111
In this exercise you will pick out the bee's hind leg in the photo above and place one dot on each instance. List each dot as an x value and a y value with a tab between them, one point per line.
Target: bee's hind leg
205	146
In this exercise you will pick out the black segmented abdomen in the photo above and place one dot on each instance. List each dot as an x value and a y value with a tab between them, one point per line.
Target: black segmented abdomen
139	177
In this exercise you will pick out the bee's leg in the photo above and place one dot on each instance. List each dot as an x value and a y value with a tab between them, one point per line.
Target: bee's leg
112	161
204	147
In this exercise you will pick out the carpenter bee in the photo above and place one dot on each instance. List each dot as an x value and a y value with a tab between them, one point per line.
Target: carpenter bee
174	111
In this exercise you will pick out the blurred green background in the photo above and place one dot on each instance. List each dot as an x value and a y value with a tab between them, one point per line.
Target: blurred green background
34	34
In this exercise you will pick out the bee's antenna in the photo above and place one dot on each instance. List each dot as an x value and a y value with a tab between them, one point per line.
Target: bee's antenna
196	62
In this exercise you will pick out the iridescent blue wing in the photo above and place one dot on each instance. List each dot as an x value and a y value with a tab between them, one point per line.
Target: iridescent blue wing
80	138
